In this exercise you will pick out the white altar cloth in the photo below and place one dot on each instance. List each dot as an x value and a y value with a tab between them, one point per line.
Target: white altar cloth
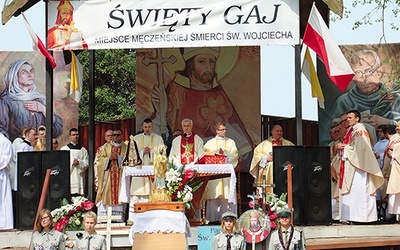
164	221
128	172
160	221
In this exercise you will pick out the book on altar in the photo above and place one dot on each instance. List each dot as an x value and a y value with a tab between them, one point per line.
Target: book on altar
212	158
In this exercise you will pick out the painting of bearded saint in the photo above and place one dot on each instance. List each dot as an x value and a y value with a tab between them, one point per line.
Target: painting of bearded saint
204	84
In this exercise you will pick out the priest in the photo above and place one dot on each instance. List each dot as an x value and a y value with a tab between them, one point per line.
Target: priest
186	148
218	190
261	164
359	175
79	162
147	143
111	157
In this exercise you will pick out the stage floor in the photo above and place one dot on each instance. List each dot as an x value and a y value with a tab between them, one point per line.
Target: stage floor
335	236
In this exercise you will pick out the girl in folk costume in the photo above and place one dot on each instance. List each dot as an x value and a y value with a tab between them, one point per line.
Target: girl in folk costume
286	237
228	238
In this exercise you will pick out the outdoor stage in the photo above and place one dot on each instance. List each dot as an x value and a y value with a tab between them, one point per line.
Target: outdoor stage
335	236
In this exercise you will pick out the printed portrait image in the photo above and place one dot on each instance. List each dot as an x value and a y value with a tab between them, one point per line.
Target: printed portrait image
374	90
254	225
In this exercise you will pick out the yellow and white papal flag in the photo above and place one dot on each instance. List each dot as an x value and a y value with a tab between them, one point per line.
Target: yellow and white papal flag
309	72
75	88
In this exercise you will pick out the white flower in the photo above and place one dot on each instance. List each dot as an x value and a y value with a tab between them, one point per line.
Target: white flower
77	221
172	176
75	218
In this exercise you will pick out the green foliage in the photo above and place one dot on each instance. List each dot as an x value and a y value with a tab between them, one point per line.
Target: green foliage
382	11
114	85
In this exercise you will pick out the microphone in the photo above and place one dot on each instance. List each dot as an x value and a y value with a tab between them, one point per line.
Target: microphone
184	135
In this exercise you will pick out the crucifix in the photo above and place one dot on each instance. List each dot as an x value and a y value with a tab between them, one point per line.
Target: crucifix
253	197
159	60
263	186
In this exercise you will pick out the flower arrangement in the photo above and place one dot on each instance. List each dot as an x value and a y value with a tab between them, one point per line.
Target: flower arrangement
69	216
180	185
273	205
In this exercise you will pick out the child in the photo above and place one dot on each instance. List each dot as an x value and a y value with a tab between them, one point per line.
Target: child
46	237
228	238
89	239
286	237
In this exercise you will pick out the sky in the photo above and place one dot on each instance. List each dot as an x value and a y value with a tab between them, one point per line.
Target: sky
277	75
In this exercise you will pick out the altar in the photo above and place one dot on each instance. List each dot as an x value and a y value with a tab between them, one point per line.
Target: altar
205	172
160	226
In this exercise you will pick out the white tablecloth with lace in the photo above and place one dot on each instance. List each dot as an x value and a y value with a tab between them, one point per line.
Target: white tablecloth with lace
211	169
165	221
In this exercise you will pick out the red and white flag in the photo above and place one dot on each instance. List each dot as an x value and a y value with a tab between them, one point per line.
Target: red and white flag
318	38
39	44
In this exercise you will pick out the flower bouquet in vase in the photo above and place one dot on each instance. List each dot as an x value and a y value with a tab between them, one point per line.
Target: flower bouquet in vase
181	185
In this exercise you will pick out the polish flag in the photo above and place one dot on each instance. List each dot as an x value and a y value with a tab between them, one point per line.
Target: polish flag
318	38
39	44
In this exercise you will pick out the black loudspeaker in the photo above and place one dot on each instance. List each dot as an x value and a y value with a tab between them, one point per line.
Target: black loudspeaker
59	187
32	168
317	186
29	188
310	182
283	156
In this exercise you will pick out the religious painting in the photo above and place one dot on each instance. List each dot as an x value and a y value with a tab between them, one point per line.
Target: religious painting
207	85
23	100
374	90
254	225
65	34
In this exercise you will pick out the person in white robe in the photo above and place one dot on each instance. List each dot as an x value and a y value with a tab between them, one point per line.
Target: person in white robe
393	186
262	162
6	205
186	148
359	174
147	143
79	162
27	145
217	191
99	170
13	164
337	133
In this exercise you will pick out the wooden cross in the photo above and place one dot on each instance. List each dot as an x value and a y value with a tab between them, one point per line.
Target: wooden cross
108	232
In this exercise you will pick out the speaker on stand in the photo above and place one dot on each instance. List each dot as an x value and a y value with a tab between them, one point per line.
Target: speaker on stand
31	173
283	155
29	187
310	182
317	186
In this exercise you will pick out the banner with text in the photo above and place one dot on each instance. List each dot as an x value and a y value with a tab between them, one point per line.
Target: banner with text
104	24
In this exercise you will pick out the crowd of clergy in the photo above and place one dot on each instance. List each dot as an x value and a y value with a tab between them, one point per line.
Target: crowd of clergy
364	170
